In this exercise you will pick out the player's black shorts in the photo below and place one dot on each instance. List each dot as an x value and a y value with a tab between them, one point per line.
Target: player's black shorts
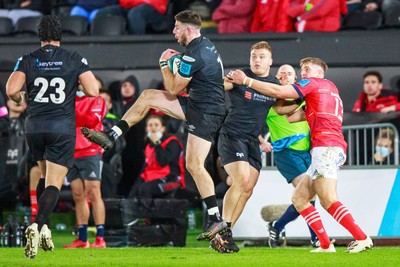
199	123
54	147
86	168
232	148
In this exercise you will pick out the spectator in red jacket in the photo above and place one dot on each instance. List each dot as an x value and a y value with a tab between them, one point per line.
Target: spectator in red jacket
234	16
317	15
271	16
164	169
375	98
85	174
140	14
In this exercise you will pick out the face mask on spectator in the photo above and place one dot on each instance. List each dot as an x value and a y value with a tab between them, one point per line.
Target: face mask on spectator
80	93
384	151
159	135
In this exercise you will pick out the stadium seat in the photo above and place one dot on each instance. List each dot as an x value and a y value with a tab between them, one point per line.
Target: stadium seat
108	26
6	26
360	20
392	18
27	26
74	25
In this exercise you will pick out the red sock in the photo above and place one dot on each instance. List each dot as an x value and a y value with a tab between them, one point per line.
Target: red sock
34	204
343	216
313	219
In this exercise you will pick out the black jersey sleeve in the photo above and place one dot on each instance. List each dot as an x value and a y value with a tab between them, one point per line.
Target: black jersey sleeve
82	63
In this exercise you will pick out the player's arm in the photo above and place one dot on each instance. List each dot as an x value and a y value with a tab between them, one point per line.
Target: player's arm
285	107
14	86
89	83
265	88
174	84
265	145
298	115
228	85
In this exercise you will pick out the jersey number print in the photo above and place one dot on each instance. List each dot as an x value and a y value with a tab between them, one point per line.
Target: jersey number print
58	83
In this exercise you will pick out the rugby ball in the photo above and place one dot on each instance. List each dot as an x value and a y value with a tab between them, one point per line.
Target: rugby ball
174	63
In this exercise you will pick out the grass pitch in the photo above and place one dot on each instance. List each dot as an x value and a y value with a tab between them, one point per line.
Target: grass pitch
195	254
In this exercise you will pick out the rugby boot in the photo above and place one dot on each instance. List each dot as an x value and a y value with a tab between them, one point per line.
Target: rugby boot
100	138
211	229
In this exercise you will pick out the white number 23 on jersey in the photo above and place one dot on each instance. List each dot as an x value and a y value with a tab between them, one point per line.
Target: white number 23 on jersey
57	98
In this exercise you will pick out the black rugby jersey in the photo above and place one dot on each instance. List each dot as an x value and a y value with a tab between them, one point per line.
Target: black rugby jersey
52	75
247	108
202	62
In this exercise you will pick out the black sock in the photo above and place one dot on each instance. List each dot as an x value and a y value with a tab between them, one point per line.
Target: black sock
122	125
40	188
211	202
47	203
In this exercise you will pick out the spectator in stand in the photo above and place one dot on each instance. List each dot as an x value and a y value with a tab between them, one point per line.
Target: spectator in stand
85	174
384	147
140	14
128	93
89	9
320	16
132	154
375	98
19	9
164	167
271	16
234	16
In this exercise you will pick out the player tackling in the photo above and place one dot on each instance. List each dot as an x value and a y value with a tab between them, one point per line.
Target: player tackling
324	114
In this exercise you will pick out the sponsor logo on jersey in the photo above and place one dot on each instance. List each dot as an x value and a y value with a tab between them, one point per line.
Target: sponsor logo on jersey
84	61
257	97
188	59
303	82
239	154
262	98
48	64
247	94
185	68
212	48
17	64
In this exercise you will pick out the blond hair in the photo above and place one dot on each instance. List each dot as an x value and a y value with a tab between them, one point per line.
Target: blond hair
316	61
385	133
261	45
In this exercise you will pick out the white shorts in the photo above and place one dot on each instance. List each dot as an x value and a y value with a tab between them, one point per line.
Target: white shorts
325	162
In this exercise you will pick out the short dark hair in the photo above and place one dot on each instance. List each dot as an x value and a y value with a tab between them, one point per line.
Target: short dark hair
375	73
49	28
189	17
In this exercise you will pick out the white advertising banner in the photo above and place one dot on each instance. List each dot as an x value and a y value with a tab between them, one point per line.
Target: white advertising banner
372	196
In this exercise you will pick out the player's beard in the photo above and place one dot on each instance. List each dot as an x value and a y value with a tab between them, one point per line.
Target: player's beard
183	41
